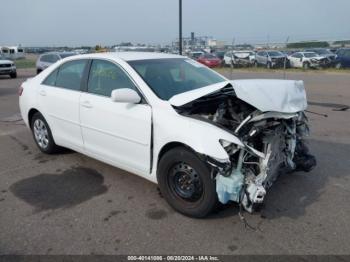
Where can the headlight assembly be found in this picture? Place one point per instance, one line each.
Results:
(229, 147)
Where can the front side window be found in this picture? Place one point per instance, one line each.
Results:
(70, 74)
(105, 77)
(169, 77)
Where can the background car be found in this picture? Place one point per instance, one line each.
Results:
(195, 54)
(343, 58)
(220, 54)
(239, 58)
(47, 59)
(325, 53)
(307, 60)
(270, 59)
(209, 60)
(7, 67)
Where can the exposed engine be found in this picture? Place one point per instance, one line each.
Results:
(273, 145)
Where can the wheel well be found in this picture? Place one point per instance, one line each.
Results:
(31, 114)
(170, 146)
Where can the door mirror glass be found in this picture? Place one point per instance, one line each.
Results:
(125, 95)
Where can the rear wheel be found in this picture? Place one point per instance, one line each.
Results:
(186, 184)
(338, 66)
(268, 65)
(42, 134)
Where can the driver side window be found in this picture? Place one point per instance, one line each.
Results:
(105, 77)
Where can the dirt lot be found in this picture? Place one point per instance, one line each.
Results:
(72, 204)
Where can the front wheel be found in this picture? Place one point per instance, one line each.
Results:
(13, 75)
(186, 184)
(306, 65)
(42, 134)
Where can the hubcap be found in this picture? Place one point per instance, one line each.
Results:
(185, 182)
(40, 133)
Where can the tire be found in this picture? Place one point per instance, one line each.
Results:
(13, 75)
(338, 66)
(256, 64)
(306, 65)
(42, 134)
(201, 198)
(38, 71)
(268, 65)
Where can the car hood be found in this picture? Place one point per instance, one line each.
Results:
(5, 62)
(286, 96)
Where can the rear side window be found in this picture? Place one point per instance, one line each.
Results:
(70, 74)
(105, 77)
(51, 79)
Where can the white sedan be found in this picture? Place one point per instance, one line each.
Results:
(202, 138)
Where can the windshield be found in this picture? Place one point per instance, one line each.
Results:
(323, 52)
(64, 55)
(275, 53)
(310, 54)
(208, 56)
(169, 77)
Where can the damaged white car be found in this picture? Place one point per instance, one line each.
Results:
(202, 138)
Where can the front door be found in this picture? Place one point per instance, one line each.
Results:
(119, 133)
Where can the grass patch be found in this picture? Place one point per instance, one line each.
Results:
(25, 63)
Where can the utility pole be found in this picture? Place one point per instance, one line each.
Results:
(180, 27)
(285, 60)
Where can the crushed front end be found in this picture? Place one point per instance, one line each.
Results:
(273, 144)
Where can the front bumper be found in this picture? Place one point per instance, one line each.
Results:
(252, 171)
(7, 70)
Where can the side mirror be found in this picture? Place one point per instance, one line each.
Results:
(125, 95)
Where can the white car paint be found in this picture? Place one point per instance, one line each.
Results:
(131, 136)
(6, 66)
(248, 55)
(298, 59)
(289, 95)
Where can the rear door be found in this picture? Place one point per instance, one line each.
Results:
(119, 133)
(59, 102)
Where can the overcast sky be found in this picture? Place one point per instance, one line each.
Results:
(107, 22)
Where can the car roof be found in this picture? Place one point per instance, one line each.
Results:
(128, 56)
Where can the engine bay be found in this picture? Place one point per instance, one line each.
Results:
(273, 142)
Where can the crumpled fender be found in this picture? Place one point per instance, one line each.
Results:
(200, 136)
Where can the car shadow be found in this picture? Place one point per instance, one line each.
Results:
(291, 194)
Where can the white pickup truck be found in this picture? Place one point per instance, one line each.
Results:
(7, 67)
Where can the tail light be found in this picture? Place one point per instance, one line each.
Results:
(20, 91)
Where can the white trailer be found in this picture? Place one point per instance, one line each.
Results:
(12, 52)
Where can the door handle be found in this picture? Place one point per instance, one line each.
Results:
(86, 104)
(42, 92)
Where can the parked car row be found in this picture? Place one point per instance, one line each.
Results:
(310, 58)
